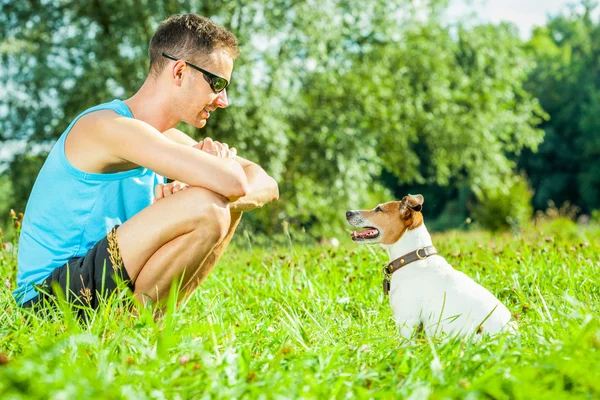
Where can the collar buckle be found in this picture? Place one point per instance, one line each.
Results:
(420, 254)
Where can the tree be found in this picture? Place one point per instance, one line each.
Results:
(329, 99)
(567, 82)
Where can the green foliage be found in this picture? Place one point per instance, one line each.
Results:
(300, 322)
(506, 206)
(446, 207)
(325, 98)
(568, 228)
(6, 195)
(22, 172)
(565, 80)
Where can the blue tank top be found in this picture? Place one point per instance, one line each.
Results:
(69, 210)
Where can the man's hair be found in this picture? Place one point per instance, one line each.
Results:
(190, 37)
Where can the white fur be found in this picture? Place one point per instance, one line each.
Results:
(443, 299)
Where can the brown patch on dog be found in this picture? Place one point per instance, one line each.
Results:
(396, 217)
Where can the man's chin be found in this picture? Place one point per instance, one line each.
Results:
(200, 123)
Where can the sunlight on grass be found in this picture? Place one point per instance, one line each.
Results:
(313, 322)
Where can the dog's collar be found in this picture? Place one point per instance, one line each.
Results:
(420, 254)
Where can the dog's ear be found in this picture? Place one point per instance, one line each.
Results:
(413, 202)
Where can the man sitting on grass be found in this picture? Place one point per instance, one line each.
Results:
(100, 210)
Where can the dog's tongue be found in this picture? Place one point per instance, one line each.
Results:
(367, 232)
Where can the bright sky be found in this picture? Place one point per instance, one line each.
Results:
(524, 13)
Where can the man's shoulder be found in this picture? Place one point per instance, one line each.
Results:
(98, 118)
(107, 125)
(90, 145)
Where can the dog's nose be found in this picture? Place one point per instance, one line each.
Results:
(348, 214)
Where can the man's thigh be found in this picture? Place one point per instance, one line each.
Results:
(167, 219)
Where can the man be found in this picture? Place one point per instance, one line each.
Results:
(100, 210)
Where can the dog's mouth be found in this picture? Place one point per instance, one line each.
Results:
(368, 234)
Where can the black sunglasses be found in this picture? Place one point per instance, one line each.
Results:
(217, 83)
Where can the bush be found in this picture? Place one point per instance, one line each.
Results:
(596, 216)
(6, 197)
(501, 208)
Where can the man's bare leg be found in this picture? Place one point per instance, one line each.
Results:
(171, 238)
(189, 285)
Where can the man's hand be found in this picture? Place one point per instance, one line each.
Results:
(207, 145)
(216, 148)
(161, 191)
(262, 189)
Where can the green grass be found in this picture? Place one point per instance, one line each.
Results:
(313, 323)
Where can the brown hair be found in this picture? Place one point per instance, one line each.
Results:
(190, 37)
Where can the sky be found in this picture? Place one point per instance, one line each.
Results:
(524, 13)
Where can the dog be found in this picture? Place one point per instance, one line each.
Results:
(425, 292)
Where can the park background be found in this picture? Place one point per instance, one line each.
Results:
(346, 103)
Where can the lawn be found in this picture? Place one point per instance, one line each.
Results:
(312, 322)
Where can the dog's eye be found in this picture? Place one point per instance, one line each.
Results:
(378, 209)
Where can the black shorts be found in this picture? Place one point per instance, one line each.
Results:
(84, 280)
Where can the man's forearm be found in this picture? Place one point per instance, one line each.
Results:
(262, 189)
(179, 137)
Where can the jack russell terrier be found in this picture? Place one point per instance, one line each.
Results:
(425, 292)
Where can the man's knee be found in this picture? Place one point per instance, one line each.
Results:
(213, 212)
(220, 217)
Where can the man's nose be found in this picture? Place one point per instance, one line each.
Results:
(221, 100)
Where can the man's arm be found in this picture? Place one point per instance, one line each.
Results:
(179, 137)
(145, 146)
(262, 189)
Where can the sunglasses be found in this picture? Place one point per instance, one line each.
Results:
(217, 83)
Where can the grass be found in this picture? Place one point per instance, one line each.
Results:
(299, 322)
